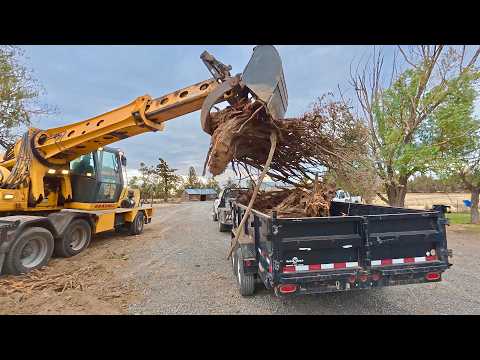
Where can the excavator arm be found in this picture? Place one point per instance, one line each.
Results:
(43, 152)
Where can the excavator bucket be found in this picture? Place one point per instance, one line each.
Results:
(262, 77)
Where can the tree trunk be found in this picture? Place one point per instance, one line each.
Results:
(474, 215)
(165, 192)
(396, 195)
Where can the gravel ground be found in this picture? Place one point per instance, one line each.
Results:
(183, 270)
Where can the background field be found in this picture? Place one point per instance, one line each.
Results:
(426, 200)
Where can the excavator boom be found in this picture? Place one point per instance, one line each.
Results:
(54, 148)
(61, 185)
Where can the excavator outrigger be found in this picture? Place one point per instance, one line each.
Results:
(60, 186)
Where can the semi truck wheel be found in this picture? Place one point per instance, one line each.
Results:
(75, 239)
(136, 227)
(32, 250)
(246, 282)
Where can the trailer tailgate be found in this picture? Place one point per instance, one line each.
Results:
(314, 244)
(405, 240)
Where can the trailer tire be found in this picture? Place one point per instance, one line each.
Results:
(137, 225)
(32, 250)
(246, 282)
(75, 239)
(234, 263)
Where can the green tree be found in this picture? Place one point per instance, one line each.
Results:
(192, 179)
(420, 115)
(462, 165)
(147, 181)
(167, 181)
(19, 95)
(213, 184)
(134, 182)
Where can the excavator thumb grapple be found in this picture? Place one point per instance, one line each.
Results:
(262, 79)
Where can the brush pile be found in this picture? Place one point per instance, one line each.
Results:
(293, 203)
(328, 137)
(38, 280)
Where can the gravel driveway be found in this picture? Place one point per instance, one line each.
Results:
(184, 271)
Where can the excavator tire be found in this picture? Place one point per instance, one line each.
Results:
(136, 227)
(32, 250)
(76, 238)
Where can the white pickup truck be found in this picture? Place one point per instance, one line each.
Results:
(343, 196)
(222, 211)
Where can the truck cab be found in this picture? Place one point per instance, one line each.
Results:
(344, 196)
(222, 207)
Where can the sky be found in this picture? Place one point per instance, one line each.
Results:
(85, 81)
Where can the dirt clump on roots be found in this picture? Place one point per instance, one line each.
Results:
(327, 137)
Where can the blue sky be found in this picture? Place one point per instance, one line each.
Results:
(84, 81)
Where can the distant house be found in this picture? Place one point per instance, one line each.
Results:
(199, 194)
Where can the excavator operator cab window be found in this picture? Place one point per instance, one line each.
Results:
(97, 177)
(110, 176)
(84, 165)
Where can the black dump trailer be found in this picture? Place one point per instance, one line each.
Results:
(358, 247)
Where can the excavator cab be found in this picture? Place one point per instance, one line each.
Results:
(98, 177)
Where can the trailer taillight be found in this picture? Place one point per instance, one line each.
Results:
(351, 279)
(287, 288)
(432, 276)
(376, 277)
(247, 263)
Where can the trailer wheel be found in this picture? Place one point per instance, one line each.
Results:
(246, 282)
(75, 239)
(32, 250)
(234, 262)
(136, 227)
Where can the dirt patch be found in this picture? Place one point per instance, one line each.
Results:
(97, 281)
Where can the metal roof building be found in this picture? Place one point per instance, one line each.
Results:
(199, 194)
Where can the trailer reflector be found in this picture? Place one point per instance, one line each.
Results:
(316, 267)
(409, 260)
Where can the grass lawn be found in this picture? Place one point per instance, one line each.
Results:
(462, 219)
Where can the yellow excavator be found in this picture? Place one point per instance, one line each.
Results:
(59, 187)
